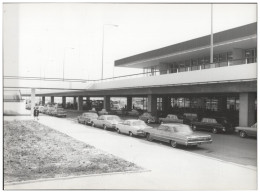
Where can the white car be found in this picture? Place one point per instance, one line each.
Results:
(106, 121)
(132, 127)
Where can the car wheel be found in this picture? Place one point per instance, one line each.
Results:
(93, 124)
(242, 134)
(214, 130)
(173, 144)
(194, 128)
(131, 134)
(118, 131)
(104, 127)
(148, 137)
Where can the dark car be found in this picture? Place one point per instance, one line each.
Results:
(148, 118)
(215, 125)
(188, 118)
(87, 118)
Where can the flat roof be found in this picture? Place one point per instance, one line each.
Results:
(223, 36)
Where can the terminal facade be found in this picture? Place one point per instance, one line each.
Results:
(180, 78)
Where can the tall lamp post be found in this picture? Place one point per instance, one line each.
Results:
(103, 39)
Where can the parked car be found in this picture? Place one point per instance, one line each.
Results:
(177, 133)
(103, 112)
(106, 121)
(170, 119)
(215, 125)
(247, 131)
(41, 108)
(132, 127)
(188, 118)
(148, 118)
(87, 118)
(133, 113)
(58, 112)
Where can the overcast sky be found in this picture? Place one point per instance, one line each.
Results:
(47, 39)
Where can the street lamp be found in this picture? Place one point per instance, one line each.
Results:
(103, 38)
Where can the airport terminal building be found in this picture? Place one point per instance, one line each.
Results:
(180, 78)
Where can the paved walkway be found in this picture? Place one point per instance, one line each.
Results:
(169, 169)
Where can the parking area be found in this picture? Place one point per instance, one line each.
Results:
(227, 147)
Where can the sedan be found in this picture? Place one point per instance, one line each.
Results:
(87, 118)
(247, 131)
(132, 127)
(148, 118)
(215, 125)
(106, 121)
(176, 133)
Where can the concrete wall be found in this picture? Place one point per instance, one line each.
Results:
(229, 73)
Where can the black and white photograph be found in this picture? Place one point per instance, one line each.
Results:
(129, 96)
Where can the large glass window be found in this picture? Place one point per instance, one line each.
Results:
(250, 55)
(159, 103)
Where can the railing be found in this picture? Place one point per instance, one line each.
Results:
(185, 69)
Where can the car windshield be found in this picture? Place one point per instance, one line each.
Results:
(183, 129)
(113, 118)
(137, 123)
(92, 115)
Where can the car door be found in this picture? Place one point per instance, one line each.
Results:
(165, 133)
(99, 121)
(124, 127)
(203, 124)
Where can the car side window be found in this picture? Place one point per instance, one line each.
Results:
(213, 121)
(127, 123)
(101, 118)
(204, 120)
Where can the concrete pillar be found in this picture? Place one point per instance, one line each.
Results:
(52, 99)
(80, 103)
(222, 103)
(166, 103)
(32, 100)
(75, 102)
(64, 102)
(43, 100)
(129, 103)
(247, 109)
(106, 103)
(152, 104)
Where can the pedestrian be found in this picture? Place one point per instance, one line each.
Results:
(36, 113)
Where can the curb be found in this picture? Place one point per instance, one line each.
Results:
(73, 177)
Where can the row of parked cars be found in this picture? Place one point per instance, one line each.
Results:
(214, 125)
(173, 133)
(53, 111)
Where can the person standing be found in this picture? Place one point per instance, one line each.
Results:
(36, 113)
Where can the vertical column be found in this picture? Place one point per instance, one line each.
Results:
(64, 102)
(43, 100)
(129, 103)
(222, 104)
(52, 99)
(152, 104)
(107, 103)
(32, 100)
(166, 103)
(246, 109)
(75, 103)
(80, 103)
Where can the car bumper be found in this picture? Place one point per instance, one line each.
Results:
(197, 142)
